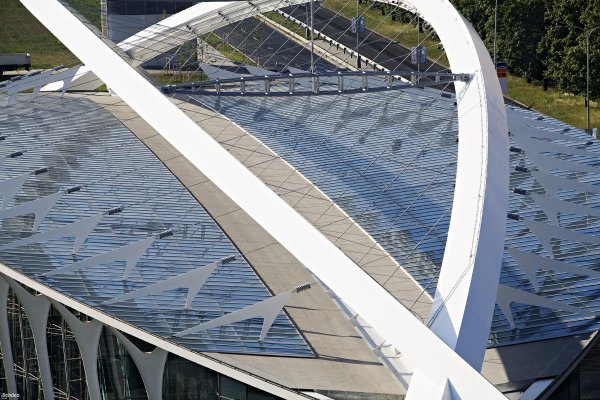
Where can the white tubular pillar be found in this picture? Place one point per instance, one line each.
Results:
(36, 308)
(87, 336)
(151, 365)
(466, 291)
(357, 289)
(5, 343)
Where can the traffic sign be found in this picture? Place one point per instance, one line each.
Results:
(501, 69)
(361, 25)
(418, 55)
(502, 72)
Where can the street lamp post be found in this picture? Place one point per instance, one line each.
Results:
(587, 69)
(587, 77)
(312, 37)
(356, 25)
(495, 30)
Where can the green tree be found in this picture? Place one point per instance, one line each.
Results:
(521, 27)
(479, 13)
(564, 45)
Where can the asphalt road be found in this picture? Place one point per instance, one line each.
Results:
(273, 50)
(391, 55)
(372, 45)
(269, 48)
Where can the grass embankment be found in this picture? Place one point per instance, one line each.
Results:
(292, 26)
(562, 106)
(21, 32)
(180, 77)
(555, 103)
(226, 49)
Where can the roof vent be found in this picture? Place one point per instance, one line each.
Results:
(227, 260)
(165, 234)
(521, 169)
(115, 210)
(73, 189)
(302, 288)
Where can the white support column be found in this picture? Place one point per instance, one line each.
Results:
(36, 308)
(202, 359)
(87, 336)
(465, 297)
(151, 366)
(425, 389)
(5, 343)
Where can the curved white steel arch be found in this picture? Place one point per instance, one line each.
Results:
(469, 277)
(176, 30)
(466, 291)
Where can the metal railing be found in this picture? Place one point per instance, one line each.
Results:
(320, 83)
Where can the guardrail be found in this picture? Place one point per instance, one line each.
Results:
(320, 83)
(331, 41)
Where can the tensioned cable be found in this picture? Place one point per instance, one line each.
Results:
(104, 150)
(349, 150)
(372, 32)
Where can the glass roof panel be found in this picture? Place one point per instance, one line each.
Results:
(81, 144)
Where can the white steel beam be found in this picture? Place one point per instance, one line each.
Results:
(196, 20)
(5, 342)
(150, 365)
(199, 358)
(267, 309)
(466, 291)
(36, 308)
(87, 336)
(392, 320)
(178, 29)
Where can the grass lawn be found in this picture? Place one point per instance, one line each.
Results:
(225, 48)
(21, 32)
(183, 77)
(563, 106)
(292, 26)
